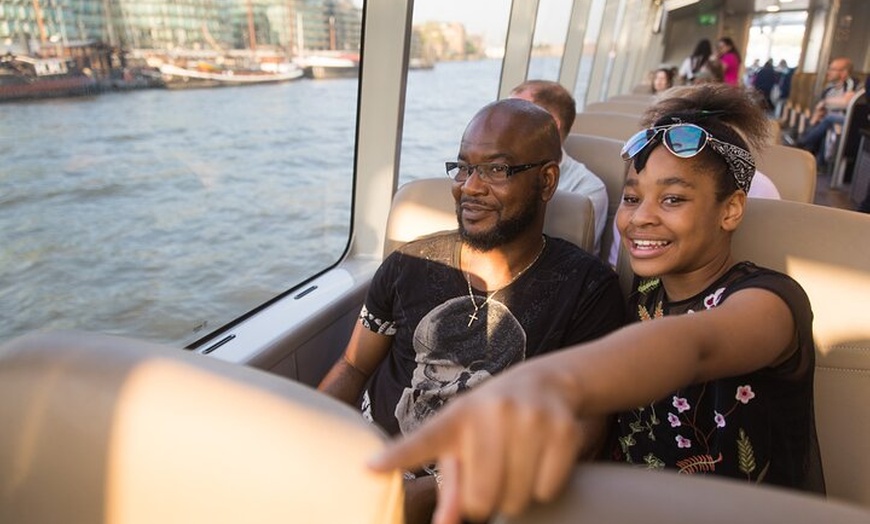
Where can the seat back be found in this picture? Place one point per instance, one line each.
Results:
(792, 171)
(857, 116)
(101, 429)
(644, 98)
(618, 106)
(618, 494)
(601, 156)
(826, 251)
(425, 206)
(619, 126)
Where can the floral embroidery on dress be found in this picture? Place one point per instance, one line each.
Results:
(745, 394)
(712, 300)
(712, 427)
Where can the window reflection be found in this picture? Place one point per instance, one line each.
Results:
(551, 29)
(466, 42)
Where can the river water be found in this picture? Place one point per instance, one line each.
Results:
(163, 214)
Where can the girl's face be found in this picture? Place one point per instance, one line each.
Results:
(660, 81)
(670, 222)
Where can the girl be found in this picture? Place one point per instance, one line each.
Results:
(662, 80)
(716, 378)
(730, 59)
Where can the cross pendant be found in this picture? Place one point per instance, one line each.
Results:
(472, 317)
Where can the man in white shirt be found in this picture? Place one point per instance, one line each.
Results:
(574, 176)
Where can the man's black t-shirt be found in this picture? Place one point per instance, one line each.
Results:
(421, 298)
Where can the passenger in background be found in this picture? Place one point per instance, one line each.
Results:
(764, 81)
(729, 57)
(662, 80)
(830, 110)
(721, 362)
(449, 311)
(696, 63)
(573, 175)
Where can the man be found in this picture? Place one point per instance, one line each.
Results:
(574, 176)
(445, 312)
(831, 108)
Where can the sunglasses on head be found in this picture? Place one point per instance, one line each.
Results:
(682, 140)
(686, 141)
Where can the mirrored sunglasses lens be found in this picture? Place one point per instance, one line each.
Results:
(635, 144)
(685, 141)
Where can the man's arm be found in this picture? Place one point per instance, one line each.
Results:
(839, 102)
(347, 378)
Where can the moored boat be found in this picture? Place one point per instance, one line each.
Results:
(330, 65)
(210, 76)
(23, 77)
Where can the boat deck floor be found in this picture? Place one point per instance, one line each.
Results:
(832, 197)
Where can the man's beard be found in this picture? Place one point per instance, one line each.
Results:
(504, 231)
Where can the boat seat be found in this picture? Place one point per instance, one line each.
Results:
(618, 106)
(601, 156)
(792, 171)
(845, 138)
(620, 494)
(619, 126)
(100, 429)
(823, 249)
(425, 206)
(644, 98)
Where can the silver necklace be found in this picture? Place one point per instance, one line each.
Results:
(477, 307)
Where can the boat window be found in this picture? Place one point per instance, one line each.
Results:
(590, 46)
(461, 45)
(208, 169)
(551, 29)
(776, 36)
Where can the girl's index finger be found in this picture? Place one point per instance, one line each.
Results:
(412, 451)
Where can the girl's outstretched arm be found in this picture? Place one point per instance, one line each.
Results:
(515, 439)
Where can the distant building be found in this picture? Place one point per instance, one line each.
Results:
(181, 26)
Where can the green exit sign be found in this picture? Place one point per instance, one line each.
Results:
(707, 19)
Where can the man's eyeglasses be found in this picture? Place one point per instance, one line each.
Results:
(687, 140)
(491, 173)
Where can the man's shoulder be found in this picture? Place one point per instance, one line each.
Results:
(570, 259)
(434, 246)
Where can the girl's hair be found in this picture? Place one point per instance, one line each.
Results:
(701, 55)
(731, 114)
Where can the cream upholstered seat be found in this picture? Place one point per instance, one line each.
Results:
(823, 249)
(638, 98)
(601, 156)
(618, 106)
(620, 494)
(792, 171)
(425, 206)
(619, 126)
(99, 429)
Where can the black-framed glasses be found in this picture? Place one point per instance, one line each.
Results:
(687, 140)
(490, 172)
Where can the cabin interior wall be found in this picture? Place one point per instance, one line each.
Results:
(643, 47)
(682, 34)
(851, 36)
